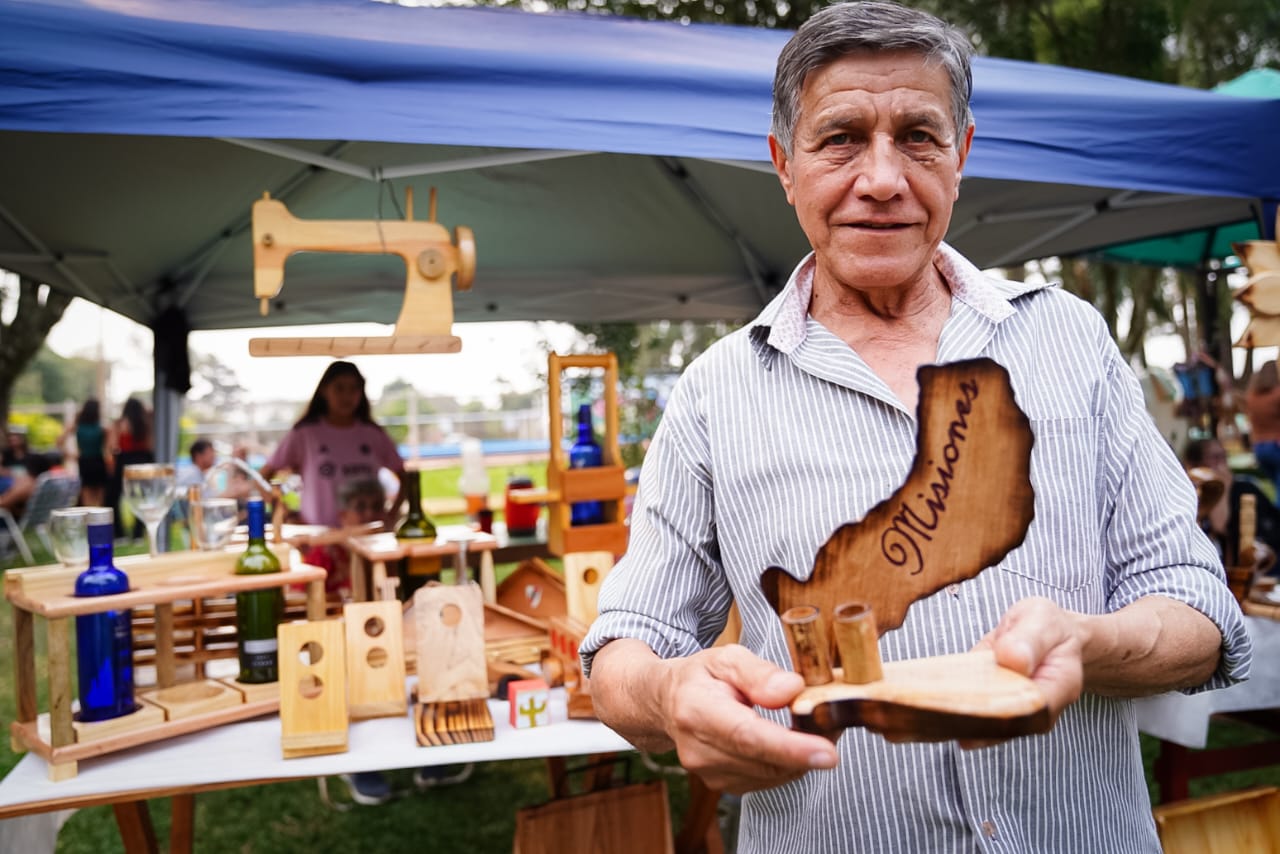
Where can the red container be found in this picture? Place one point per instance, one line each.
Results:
(522, 519)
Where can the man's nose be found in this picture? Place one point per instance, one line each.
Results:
(880, 172)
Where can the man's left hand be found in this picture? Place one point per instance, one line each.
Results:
(1042, 641)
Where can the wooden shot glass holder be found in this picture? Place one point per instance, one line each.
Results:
(173, 708)
(965, 696)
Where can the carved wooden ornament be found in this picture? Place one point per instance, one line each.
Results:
(1261, 292)
(966, 503)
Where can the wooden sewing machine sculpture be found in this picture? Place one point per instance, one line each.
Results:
(1262, 292)
(967, 503)
(425, 324)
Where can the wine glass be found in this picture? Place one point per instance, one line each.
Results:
(213, 520)
(150, 489)
(69, 535)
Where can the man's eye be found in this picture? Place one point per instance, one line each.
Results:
(919, 137)
(839, 139)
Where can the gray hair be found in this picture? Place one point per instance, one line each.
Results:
(872, 26)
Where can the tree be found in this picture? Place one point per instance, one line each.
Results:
(216, 384)
(39, 307)
(756, 13)
(1198, 43)
(646, 353)
(50, 378)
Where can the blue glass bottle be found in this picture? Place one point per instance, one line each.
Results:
(104, 641)
(585, 453)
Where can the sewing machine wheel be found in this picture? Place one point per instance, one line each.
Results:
(465, 240)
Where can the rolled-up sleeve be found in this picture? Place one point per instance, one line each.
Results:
(1153, 545)
(669, 589)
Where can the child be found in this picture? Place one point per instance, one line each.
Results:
(360, 502)
(336, 440)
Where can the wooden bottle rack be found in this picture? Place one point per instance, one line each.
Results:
(566, 486)
(174, 709)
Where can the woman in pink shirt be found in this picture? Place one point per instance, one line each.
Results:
(336, 441)
(332, 446)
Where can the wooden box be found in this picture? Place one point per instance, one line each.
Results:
(1244, 822)
(605, 483)
(610, 821)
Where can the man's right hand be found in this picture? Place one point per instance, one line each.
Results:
(703, 705)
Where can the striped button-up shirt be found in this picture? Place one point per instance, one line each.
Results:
(780, 433)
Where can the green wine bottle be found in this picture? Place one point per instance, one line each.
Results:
(258, 612)
(415, 526)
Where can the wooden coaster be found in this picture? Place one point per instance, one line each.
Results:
(189, 699)
(256, 692)
(453, 722)
(144, 717)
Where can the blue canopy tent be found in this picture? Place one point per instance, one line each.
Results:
(612, 169)
(1211, 246)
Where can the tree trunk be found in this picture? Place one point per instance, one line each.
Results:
(39, 308)
(1143, 290)
(1110, 298)
(1189, 320)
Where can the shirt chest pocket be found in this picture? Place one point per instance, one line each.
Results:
(1063, 548)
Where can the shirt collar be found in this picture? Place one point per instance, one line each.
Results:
(783, 322)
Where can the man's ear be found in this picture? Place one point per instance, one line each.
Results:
(782, 166)
(965, 145)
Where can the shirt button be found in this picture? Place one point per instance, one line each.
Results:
(954, 589)
(989, 829)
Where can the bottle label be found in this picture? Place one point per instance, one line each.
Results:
(255, 647)
(259, 655)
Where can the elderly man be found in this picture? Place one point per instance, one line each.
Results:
(805, 419)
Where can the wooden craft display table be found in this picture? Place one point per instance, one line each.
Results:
(371, 553)
(248, 753)
(48, 592)
(1181, 721)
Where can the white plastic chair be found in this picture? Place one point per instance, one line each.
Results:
(52, 490)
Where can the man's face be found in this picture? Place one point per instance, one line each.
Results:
(875, 168)
(204, 459)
